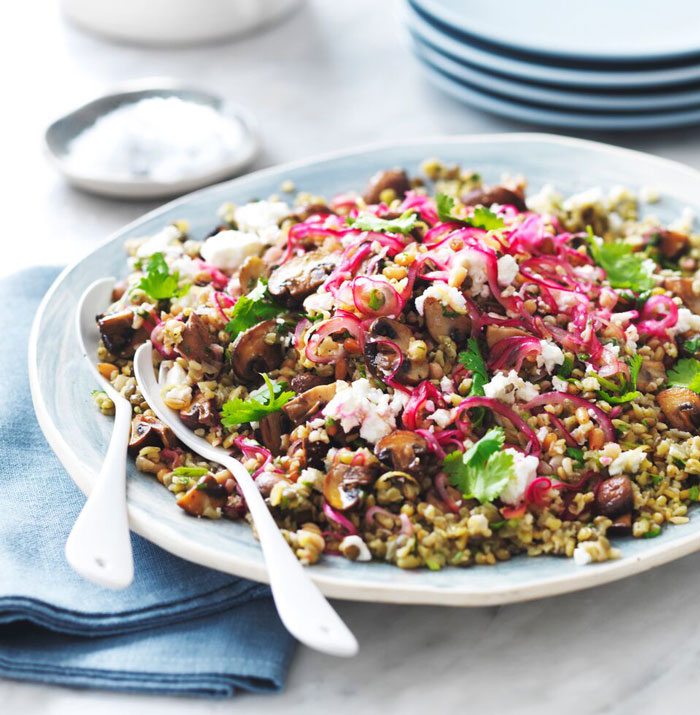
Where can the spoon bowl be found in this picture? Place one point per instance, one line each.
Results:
(99, 545)
(303, 609)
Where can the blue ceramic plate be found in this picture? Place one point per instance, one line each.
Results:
(545, 70)
(557, 97)
(595, 30)
(536, 113)
(61, 382)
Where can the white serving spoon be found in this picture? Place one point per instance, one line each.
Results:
(99, 545)
(303, 609)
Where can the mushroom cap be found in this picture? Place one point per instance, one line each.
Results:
(251, 354)
(499, 194)
(381, 360)
(614, 496)
(308, 403)
(496, 333)
(302, 275)
(150, 432)
(404, 450)
(440, 324)
(683, 287)
(342, 485)
(681, 407)
(395, 179)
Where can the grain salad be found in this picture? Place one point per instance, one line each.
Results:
(436, 372)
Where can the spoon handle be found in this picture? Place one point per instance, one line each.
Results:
(99, 545)
(303, 609)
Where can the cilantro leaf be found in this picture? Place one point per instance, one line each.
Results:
(623, 268)
(471, 359)
(484, 470)
(692, 345)
(686, 373)
(626, 390)
(369, 222)
(252, 309)
(566, 368)
(159, 283)
(481, 217)
(576, 453)
(190, 471)
(237, 411)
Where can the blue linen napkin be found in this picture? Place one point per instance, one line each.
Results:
(179, 628)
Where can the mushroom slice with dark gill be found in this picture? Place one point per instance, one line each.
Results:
(496, 333)
(271, 431)
(118, 334)
(404, 450)
(672, 243)
(499, 194)
(652, 374)
(253, 268)
(681, 408)
(308, 403)
(198, 344)
(342, 485)
(200, 413)
(205, 498)
(150, 432)
(382, 359)
(614, 496)
(395, 180)
(300, 276)
(252, 354)
(441, 323)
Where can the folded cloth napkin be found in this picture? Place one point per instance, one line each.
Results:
(178, 628)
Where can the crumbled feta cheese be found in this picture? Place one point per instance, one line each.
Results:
(628, 461)
(687, 321)
(524, 472)
(582, 556)
(228, 249)
(162, 242)
(448, 295)
(475, 265)
(559, 384)
(262, 217)
(685, 223)
(590, 384)
(354, 547)
(478, 525)
(590, 197)
(551, 355)
(312, 478)
(508, 387)
(507, 270)
(546, 201)
(446, 385)
(442, 418)
(319, 302)
(358, 404)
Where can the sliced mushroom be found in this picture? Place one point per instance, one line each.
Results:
(150, 432)
(615, 496)
(271, 432)
(440, 323)
(118, 333)
(307, 210)
(621, 525)
(305, 381)
(681, 407)
(652, 374)
(252, 270)
(672, 243)
(252, 354)
(396, 486)
(266, 480)
(683, 287)
(496, 333)
(198, 344)
(404, 450)
(308, 403)
(342, 485)
(119, 290)
(395, 180)
(302, 275)
(499, 194)
(382, 359)
(205, 498)
(199, 414)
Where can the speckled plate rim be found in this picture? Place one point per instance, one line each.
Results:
(421, 586)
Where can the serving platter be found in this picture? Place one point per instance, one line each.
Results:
(61, 381)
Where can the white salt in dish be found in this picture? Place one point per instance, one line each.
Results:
(152, 141)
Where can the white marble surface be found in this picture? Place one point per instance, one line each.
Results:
(334, 75)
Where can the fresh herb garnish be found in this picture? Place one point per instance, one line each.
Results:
(623, 268)
(686, 373)
(237, 411)
(252, 309)
(190, 471)
(692, 345)
(369, 222)
(481, 217)
(652, 533)
(376, 299)
(159, 283)
(694, 493)
(471, 359)
(567, 367)
(576, 453)
(483, 471)
(625, 390)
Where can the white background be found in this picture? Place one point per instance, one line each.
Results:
(334, 75)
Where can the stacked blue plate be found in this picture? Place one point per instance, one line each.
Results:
(600, 64)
